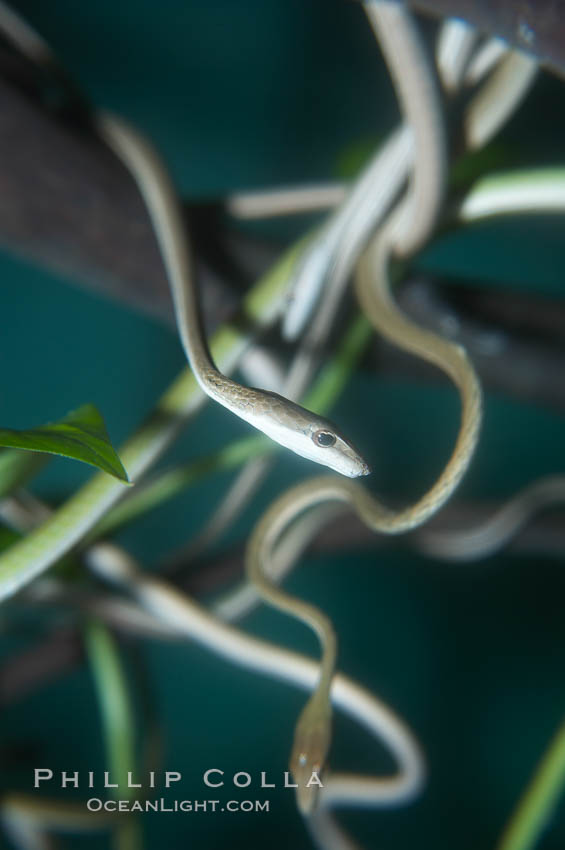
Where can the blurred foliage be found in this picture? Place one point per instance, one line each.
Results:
(80, 435)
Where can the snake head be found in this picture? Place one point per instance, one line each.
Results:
(307, 434)
(312, 740)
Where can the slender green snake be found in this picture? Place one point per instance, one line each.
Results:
(284, 421)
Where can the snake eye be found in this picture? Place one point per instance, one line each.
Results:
(325, 439)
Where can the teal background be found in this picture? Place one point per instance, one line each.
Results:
(258, 93)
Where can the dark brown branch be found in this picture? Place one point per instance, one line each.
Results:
(69, 205)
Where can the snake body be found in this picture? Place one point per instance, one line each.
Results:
(313, 730)
(409, 224)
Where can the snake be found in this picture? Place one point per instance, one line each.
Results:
(287, 423)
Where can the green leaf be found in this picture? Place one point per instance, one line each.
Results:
(81, 435)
